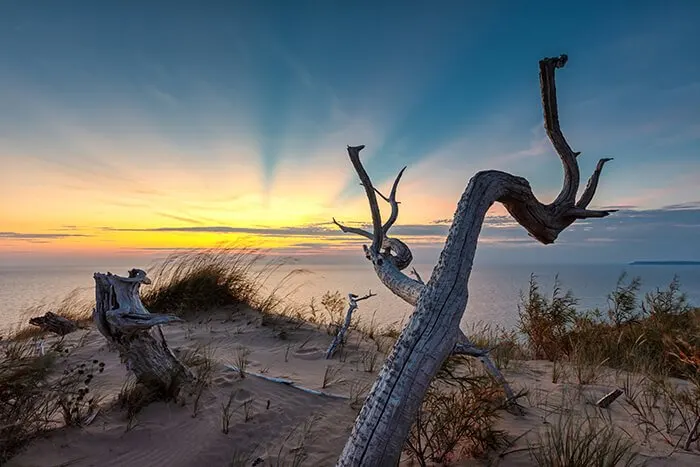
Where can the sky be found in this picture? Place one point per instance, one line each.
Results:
(139, 127)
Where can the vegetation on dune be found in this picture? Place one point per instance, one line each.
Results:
(630, 334)
(35, 398)
(190, 282)
(654, 336)
(457, 417)
(582, 442)
(74, 306)
(646, 342)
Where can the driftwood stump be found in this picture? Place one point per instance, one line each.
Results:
(54, 323)
(124, 321)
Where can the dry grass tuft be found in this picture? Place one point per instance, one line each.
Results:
(582, 442)
(34, 400)
(456, 419)
(76, 306)
(332, 375)
(25, 407)
(195, 281)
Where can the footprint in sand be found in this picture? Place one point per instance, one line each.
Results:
(225, 380)
(242, 396)
(309, 353)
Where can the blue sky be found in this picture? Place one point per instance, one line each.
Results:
(212, 117)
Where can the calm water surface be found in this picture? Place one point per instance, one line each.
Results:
(494, 290)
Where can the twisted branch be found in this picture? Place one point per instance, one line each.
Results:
(432, 333)
(389, 249)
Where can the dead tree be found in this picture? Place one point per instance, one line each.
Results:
(432, 333)
(124, 321)
(51, 322)
(340, 337)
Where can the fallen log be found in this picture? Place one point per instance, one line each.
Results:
(51, 322)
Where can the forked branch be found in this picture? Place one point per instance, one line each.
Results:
(388, 249)
(354, 298)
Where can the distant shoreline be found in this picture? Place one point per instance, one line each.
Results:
(665, 263)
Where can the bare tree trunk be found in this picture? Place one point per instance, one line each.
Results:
(432, 333)
(396, 257)
(340, 337)
(124, 321)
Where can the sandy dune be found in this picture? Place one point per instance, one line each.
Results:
(286, 425)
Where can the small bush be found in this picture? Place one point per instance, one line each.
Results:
(622, 302)
(546, 322)
(73, 395)
(33, 400)
(26, 408)
(667, 302)
(335, 306)
(504, 345)
(456, 418)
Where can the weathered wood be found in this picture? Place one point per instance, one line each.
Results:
(388, 270)
(51, 322)
(340, 336)
(287, 382)
(432, 332)
(124, 321)
(605, 401)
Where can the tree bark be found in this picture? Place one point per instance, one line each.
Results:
(432, 333)
(124, 321)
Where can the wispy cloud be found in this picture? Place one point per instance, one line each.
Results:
(189, 220)
(623, 226)
(272, 231)
(38, 236)
(689, 205)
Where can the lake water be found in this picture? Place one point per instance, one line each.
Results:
(494, 289)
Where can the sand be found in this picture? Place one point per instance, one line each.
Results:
(277, 424)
